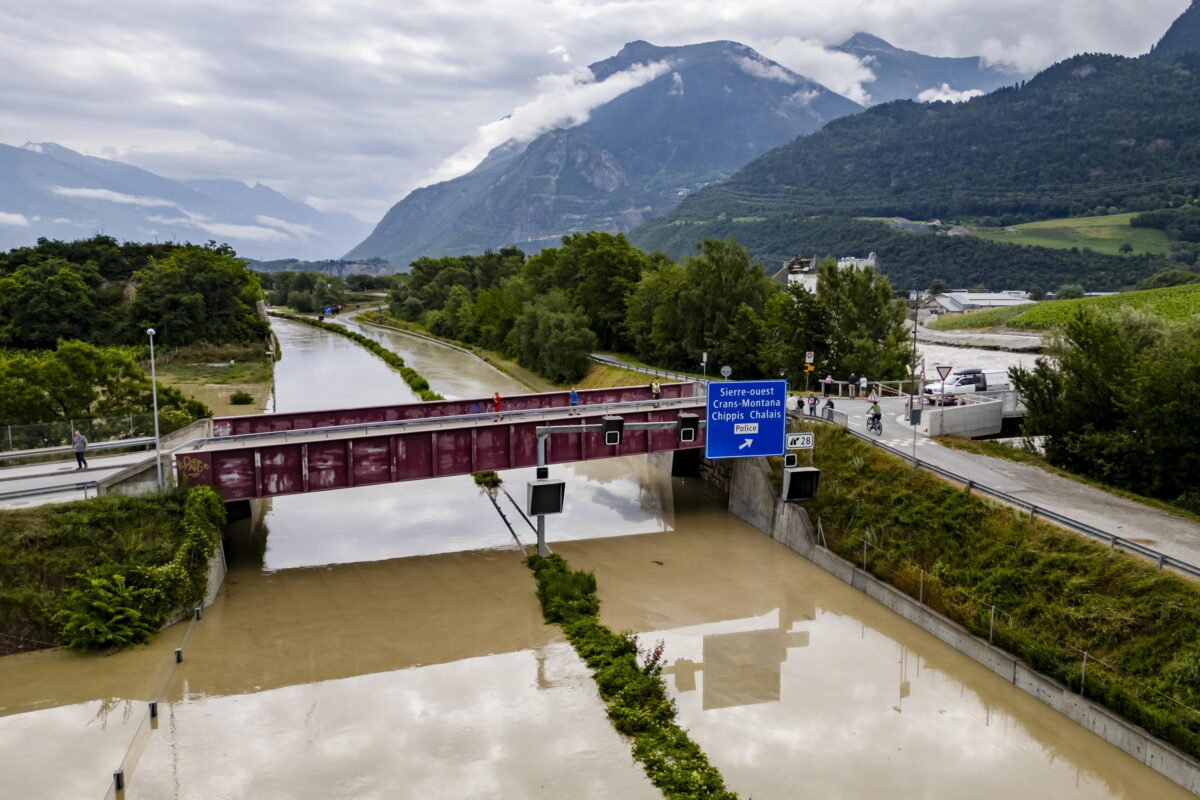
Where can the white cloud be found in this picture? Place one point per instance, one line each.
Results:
(565, 100)
(294, 228)
(947, 95)
(762, 69)
(561, 52)
(111, 196)
(251, 232)
(841, 72)
(676, 89)
(19, 220)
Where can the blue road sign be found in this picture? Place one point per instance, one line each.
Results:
(746, 418)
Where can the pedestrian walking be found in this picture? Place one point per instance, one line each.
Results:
(496, 405)
(827, 384)
(862, 386)
(80, 444)
(574, 401)
(656, 392)
(852, 382)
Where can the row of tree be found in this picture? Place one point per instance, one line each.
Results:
(1117, 402)
(597, 291)
(102, 292)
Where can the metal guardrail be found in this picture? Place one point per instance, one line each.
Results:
(612, 361)
(1114, 541)
(112, 444)
(67, 487)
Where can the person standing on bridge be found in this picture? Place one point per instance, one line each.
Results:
(574, 401)
(496, 405)
(827, 384)
(80, 444)
(656, 392)
(852, 384)
(862, 386)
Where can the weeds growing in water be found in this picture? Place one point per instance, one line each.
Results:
(631, 687)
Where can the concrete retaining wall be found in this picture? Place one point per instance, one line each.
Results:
(755, 500)
(970, 419)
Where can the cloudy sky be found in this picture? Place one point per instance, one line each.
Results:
(349, 104)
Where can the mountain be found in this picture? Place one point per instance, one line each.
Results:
(712, 108)
(1182, 37)
(47, 190)
(905, 75)
(1093, 131)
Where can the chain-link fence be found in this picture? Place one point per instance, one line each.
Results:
(56, 434)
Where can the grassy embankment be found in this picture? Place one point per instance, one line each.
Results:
(414, 380)
(632, 688)
(1103, 234)
(214, 374)
(103, 572)
(1056, 595)
(1173, 303)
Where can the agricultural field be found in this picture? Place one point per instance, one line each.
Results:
(1103, 234)
(1173, 303)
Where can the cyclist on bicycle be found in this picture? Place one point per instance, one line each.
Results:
(874, 415)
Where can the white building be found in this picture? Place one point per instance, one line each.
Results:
(959, 301)
(858, 263)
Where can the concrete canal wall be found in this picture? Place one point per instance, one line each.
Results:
(754, 499)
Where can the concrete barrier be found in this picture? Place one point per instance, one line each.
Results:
(967, 418)
(753, 499)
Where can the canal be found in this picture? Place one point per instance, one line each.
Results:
(385, 642)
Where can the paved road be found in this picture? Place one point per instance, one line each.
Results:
(1170, 534)
(49, 474)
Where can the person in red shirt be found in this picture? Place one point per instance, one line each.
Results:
(496, 404)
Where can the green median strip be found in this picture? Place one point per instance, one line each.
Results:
(417, 383)
(636, 696)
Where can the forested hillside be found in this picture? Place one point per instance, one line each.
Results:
(910, 260)
(1093, 131)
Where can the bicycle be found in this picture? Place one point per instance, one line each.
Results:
(875, 425)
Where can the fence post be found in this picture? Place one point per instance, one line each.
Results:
(991, 624)
(921, 590)
(10, 447)
(1083, 674)
(864, 554)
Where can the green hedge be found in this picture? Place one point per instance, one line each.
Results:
(636, 696)
(1056, 594)
(411, 377)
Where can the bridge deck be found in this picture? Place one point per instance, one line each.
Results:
(281, 462)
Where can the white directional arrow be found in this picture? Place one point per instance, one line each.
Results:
(745, 444)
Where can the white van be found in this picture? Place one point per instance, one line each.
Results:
(968, 379)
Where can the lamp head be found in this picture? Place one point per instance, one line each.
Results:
(150, 331)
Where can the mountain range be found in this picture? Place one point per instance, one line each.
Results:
(1092, 134)
(47, 190)
(908, 75)
(712, 108)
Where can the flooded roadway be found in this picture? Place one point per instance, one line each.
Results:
(386, 642)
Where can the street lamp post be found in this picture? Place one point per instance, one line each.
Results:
(154, 395)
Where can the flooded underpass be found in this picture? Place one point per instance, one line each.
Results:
(386, 641)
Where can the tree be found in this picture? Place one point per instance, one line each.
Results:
(1125, 247)
(865, 331)
(45, 301)
(1069, 291)
(937, 286)
(1037, 293)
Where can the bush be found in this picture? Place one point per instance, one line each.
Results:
(240, 398)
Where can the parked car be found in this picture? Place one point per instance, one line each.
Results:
(966, 380)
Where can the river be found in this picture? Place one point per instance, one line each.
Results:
(386, 642)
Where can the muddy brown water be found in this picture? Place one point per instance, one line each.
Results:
(386, 642)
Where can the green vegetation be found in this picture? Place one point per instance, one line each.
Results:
(1056, 594)
(910, 260)
(104, 572)
(551, 310)
(104, 293)
(240, 398)
(1104, 234)
(634, 691)
(80, 381)
(414, 380)
(1117, 400)
(1173, 303)
(487, 480)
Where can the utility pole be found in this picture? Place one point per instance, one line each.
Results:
(154, 394)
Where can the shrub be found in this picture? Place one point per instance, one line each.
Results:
(240, 398)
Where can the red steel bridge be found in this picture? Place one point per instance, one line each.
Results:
(269, 455)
